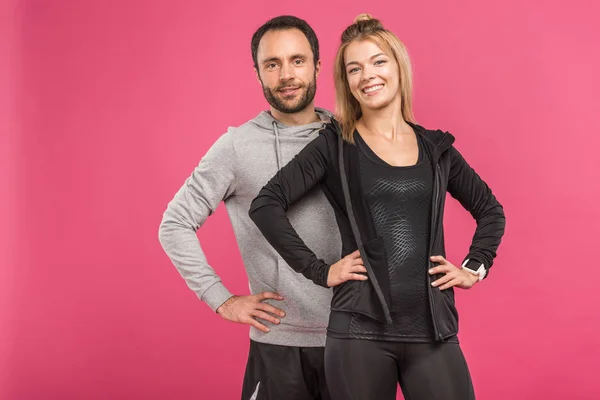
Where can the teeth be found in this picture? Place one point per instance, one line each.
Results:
(372, 89)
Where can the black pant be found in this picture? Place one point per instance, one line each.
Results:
(370, 370)
(284, 373)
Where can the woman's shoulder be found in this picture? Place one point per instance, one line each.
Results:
(326, 142)
(330, 130)
(435, 136)
(329, 135)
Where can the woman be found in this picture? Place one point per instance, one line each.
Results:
(393, 318)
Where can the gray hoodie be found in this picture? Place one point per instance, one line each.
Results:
(234, 170)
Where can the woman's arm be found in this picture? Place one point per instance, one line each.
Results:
(476, 197)
(268, 211)
(290, 184)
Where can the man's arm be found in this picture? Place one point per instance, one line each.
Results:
(212, 181)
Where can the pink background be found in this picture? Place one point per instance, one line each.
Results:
(106, 107)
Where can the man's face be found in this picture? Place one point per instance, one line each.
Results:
(286, 70)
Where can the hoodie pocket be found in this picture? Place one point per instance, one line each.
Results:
(344, 296)
(447, 315)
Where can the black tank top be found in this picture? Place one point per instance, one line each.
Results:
(400, 202)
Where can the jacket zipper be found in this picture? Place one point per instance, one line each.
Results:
(431, 240)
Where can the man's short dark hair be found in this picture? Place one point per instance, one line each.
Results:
(284, 22)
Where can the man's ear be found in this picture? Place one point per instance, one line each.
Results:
(258, 77)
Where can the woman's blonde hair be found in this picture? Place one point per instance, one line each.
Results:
(347, 107)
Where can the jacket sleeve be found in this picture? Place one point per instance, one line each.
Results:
(476, 197)
(211, 182)
(268, 209)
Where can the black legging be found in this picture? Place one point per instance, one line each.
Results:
(370, 370)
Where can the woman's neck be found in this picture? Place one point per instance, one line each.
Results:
(387, 122)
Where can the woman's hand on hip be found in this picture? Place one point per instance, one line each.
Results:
(453, 276)
(349, 268)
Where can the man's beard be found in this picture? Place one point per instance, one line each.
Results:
(307, 95)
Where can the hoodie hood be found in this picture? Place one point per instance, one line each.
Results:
(439, 141)
(267, 122)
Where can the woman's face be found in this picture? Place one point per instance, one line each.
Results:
(372, 75)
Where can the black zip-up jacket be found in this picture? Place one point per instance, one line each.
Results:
(322, 162)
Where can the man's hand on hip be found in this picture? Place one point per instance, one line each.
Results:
(246, 310)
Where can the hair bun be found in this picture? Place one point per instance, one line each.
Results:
(364, 24)
(362, 17)
(366, 20)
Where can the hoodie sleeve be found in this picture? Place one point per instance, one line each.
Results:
(268, 209)
(475, 196)
(211, 182)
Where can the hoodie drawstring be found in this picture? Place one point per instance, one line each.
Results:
(277, 145)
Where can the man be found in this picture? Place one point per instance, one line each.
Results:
(288, 314)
